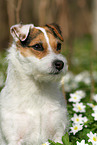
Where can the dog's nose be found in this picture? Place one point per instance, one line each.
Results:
(58, 64)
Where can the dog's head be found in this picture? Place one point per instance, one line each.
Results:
(38, 50)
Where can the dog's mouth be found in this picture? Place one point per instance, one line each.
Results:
(55, 73)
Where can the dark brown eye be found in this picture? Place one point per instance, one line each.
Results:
(37, 47)
(58, 46)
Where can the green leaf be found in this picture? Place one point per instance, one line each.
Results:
(65, 139)
(53, 143)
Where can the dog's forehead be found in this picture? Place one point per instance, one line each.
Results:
(48, 37)
(45, 34)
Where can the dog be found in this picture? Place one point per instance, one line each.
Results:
(32, 107)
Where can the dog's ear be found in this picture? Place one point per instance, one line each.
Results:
(20, 32)
(56, 30)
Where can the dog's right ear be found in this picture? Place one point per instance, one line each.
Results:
(56, 30)
(20, 32)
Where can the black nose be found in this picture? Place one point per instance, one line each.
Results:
(58, 64)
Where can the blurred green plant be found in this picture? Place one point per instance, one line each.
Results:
(3, 69)
(81, 54)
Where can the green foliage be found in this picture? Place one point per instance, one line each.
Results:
(81, 54)
(3, 68)
(53, 143)
(65, 139)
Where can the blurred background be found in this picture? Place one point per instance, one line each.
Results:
(78, 22)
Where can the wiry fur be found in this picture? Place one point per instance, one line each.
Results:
(32, 108)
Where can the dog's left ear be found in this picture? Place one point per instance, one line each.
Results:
(20, 32)
(56, 30)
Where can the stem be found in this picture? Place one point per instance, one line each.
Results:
(91, 76)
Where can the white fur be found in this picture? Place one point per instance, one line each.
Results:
(33, 109)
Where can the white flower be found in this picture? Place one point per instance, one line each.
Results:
(83, 77)
(47, 143)
(74, 85)
(77, 119)
(80, 93)
(68, 77)
(91, 105)
(86, 126)
(85, 119)
(74, 98)
(70, 86)
(92, 138)
(95, 97)
(69, 83)
(76, 128)
(78, 78)
(77, 96)
(87, 80)
(95, 115)
(95, 112)
(81, 143)
(79, 107)
(95, 108)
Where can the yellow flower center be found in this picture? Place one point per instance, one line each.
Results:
(75, 128)
(94, 138)
(79, 108)
(93, 105)
(77, 119)
(75, 98)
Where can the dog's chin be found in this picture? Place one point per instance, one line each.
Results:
(49, 77)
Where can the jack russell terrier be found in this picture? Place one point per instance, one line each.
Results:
(32, 107)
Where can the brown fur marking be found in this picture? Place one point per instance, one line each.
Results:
(55, 30)
(37, 37)
(52, 40)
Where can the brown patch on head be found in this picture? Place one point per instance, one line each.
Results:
(36, 45)
(54, 42)
(28, 47)
(56, 30)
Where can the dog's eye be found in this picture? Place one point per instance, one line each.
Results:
(58, 46)
(37, 47)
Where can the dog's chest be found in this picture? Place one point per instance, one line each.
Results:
(42, 117)
(42, 121)
(35, 114)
